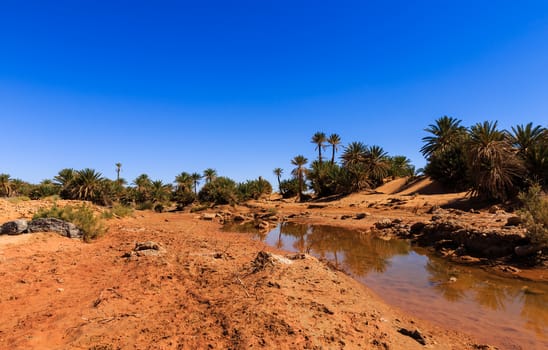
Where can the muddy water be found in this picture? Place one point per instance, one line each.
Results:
(508, 313)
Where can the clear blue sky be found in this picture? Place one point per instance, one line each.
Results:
(241, 86)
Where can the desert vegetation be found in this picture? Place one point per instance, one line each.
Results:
(492, 164)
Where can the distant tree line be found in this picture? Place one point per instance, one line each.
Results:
(493, 164)
(143, 193)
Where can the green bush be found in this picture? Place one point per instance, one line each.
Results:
(534, 214)
(147, 205)
(118, 211)
(222, 190)
(254, 189)
(82, 216)
(289, 188)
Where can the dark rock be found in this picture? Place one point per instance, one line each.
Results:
(417, 227)
(64, 228)
(316, 206)
(15, 227)
(360, 216)
(238, 218)
(526, 250)
(513, 221)
(416, 334)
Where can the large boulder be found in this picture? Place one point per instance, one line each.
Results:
(15, 227)
(64, 228)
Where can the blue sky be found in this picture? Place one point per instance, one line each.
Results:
(241, 86)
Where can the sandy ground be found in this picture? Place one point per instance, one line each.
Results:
(205, 289)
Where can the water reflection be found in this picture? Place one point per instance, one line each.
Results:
(424, 284)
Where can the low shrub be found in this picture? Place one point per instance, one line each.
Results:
(117, 211)
(82, 216)
(147, 205)
(534, 215)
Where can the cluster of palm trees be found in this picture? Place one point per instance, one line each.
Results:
(143, 193)
(361, 167)
(494, 164)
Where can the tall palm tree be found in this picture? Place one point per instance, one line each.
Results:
(493, 163)
(334, 140)
(210, 175)
(278, 172)
(87, 184)
(195, 180)
(5, 185)
(299, 161)
(319, 139)
(118, 169)
(446, 133)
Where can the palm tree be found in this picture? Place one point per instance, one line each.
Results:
(5, 185)
(334, 140)
(195, 180)
(354, 160)
(19, 187)
(64, 177)
(299, 161)
(526, 137)
(319, 139)
(87, 184)
(210, 175)
(159, 191)
(118, 169)
(401, 166)
(532, 145)
(143, 184)
(184, 181)
(377, 164)
(447, 132)
(492, 162)
(278, 172)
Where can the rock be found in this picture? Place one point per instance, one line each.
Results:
(316, 206)
(513, 221)
(64, 228)
(15, 227)
(262, 225)
(384, 223)
(525, 250)
(238, 218)
(417, 227)
(416, 334)
(148, 248)
(494, 209)
(346, 216)
(360, 216)
(208, 216)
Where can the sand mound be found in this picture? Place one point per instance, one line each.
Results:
(423, 185)
(393, 186)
